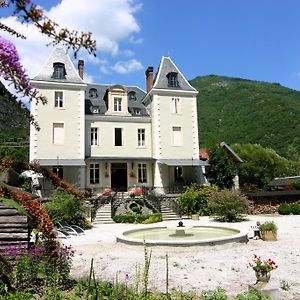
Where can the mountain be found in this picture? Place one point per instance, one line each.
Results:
(14, 126)
(237, 110)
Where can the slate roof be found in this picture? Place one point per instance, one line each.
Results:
(161, 80)
(100, 104)
(59, 55)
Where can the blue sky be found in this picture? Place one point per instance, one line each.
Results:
(253, 39)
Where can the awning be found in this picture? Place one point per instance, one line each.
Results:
(183, 162)
(119, 159)
(61, 162)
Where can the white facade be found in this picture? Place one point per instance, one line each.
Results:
(98, 136)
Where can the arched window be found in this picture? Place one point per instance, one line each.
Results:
(59, 71)
(93, 93)
(132, 95)
(173, 79)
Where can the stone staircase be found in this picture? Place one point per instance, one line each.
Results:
(103, 215)
(168, 214)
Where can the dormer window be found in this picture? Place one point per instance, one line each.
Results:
(59, 71)
(96, 109)
(173, 79)
(93, 93)
(132, 95)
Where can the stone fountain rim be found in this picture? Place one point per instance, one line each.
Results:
(241, 236)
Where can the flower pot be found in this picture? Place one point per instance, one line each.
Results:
(195, 217)
(269, 235)
(262, 277)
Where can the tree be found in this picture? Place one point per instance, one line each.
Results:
(11, 68)
(222, 169)
(261, 165)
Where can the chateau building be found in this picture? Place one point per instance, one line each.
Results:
(97, 136)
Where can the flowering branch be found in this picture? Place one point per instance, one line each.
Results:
(28, 12)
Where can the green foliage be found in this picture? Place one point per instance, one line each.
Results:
(268, 226)
(138, 218)
(252, 295)
(222, 169)
(228, 205)
(195, 200)
(217, 294)
(260, 165)
(284, 209)
(295, 207)
(17, 296)
(63, 206)
(244, 111)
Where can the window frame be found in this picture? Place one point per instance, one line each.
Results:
(117, 104)
(59, 71)
(94, 136)
(142, 173)
(180, 139)
(54, 140)
(121, 137)
(58, 102)
(175, 106)
(141, 137)
(94, 174)
(173, 79)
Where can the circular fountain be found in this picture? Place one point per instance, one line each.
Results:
(182, 235)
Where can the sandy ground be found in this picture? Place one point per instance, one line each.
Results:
(193, 268)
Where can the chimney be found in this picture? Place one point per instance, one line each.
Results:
(81, 68)
(149, 78)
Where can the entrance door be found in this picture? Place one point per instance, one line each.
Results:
(119, 176)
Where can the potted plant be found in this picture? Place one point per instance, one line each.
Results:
(268, 231)
(262, 268)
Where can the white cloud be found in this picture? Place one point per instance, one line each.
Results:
(124, 67)
(110, 21)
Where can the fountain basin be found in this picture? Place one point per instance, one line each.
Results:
(194, 236)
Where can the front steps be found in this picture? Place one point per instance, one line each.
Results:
(168, 214)
(103, 215)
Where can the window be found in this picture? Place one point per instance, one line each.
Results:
(118, 136)
(177, 136)
(142, 172)
(59, 71)
(132, 96)
(93, 93)
(94, 173)
(94, 136)
(175, 106)
(58, 133)
(136, 111)
(141, 137)
(59, 101)
(178, 174)
(117, 104)
(173, 79)
(59, 171)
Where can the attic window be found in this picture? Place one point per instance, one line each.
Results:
(136, 111)
(59, 71)
(96, 109)
(93, 93)
(173, 79)
(132, 95)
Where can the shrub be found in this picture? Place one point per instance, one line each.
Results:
(138, 218)
(284, 209)
(217, 294)
(295, 207)
(228, 205)
(268, 226)
(195, 200)
(252, 295)
(63, 206)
